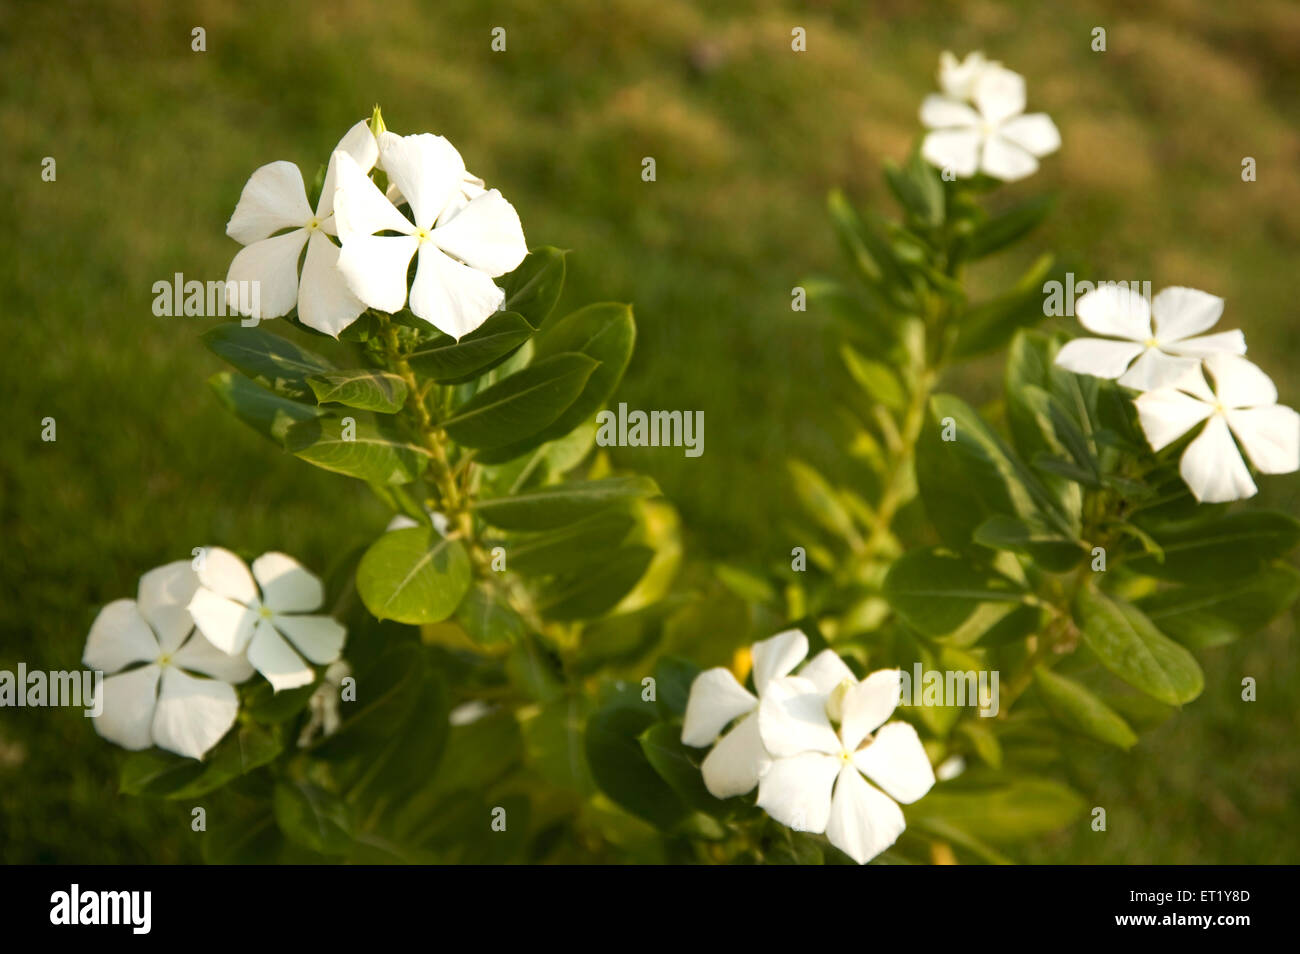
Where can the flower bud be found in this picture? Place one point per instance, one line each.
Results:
(835, 701)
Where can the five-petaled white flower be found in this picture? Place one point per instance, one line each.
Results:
(184, 714)
(957, 78)
(462, 242)
(811, 757)
(717, 700)
(275, 199)
(1165, 335)
(995, 137)
(1243, 402)
(235, 617)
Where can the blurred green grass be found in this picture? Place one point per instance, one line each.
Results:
(153, 143)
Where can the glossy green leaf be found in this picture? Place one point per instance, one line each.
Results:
(360, 450)
(558, 504)
(569, 547)
(267, 359)
(1071, 704)
(312, 817)
(534, 287)
(413, 576)
(450, 361)
(1200, 616)
(1234, 545)
(1006, 228)
(936, 591)
(590, 593)
(521, 405)
(362, 388)
(269, 414)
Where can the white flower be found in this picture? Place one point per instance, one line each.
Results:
(463, 243)
(995, 138)
(274, 199)
(810, 758)
(957, 78)
(717, 699)
(1243, 403)
(229, 610)
(1165, 349)
(324, 704)
(186, 715)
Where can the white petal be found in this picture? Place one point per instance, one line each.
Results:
(192, 714)
(1115, 310)
(200, 656)
(273, 264)
(1213, 468)
(1155, 369)
(954, 149)
(797, 791)
(1271, 436)
(226, 575)
(1183, 312)
(1233, 342)
(776, 656)
(129, 701)
(485, 235)
(375, 268)
(324, 300)
(940, 112)
(426, 168)
(1003, 159)
(319, 638)
(792, 719)
(1168, 414)
(227, 624)
(1000, 94)
(862, 822)
(287, 586)
(273, 199)
(359, 143)
(118, 637)
(869, 704)
(1239, 383)
(896, 761)
(276, 660)
(163, 595)
(716, 699)
(1100, 357)
(826, 670)
(359, 207)
(1035, 133)
(737, 761)
(452, 297)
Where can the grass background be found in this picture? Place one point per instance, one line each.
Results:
(154, 141)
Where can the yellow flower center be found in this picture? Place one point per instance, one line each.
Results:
(264, 612)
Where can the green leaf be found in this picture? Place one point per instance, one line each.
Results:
(553, 736)
(918, 188)
(1007, 227)
(488, 618)
(1233, 546)
(1203, 616)
(312, 817)
(990, 325)
(820, 501)
(868, 251)
(269, 360)
(362, 388)
(673, 678)
(413, 576)
(360, 450)
(936, 591)
(162, 774)
(1071, 704)
(965, 481)
(534, 287)
(452, 362)
(876, 378)
(268, 414)
(559, 504)
(604, 332)
(1127, 644)
(569, 547)
(677, 765)
(1050, 550)
(1019, 810)
(521, 405)
(592, 593)
(619, 765)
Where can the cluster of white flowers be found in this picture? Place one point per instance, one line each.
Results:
(174, 654)
(1187, 377)
(979, 123)
(465, 236)
(807, 740)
